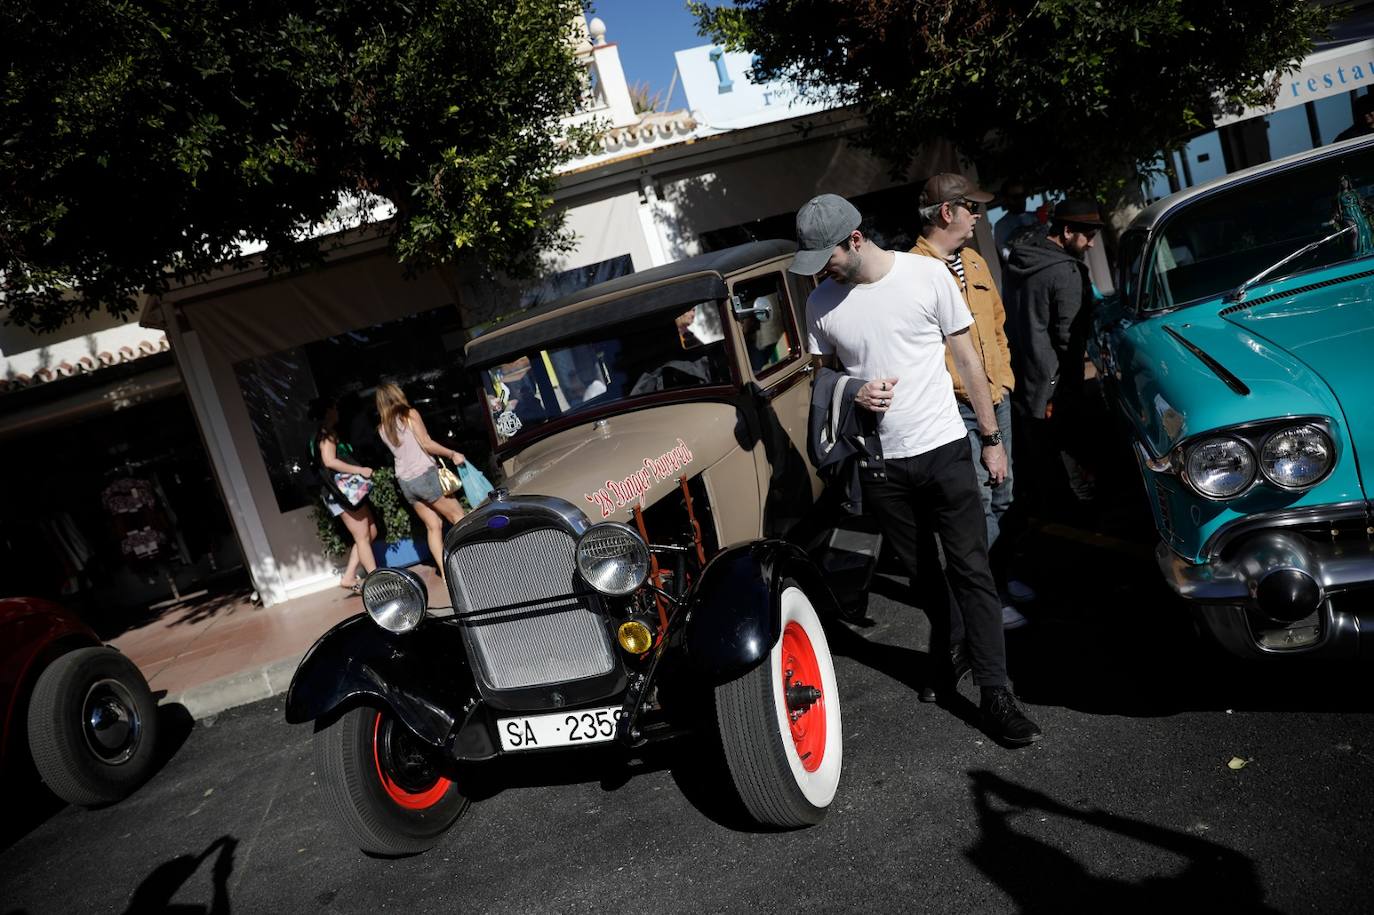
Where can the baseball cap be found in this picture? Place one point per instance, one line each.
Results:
(1078, 210)
(822, 223)
(948, 186)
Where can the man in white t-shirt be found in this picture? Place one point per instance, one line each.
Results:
(886, 317)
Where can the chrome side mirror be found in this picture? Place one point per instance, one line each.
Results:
(742, 311)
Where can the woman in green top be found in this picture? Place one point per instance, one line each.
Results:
(336, 458)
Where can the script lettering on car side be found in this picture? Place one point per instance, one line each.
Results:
(620, 493)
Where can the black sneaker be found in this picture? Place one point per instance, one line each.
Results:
(1004, 721)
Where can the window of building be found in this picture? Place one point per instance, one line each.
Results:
(1202, 158)
(1289, 132)
(1333, 116)
(421, 353)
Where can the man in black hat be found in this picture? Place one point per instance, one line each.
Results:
(886, 317)
(1050, 299)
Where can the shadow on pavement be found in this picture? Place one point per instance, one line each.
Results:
(1107, 636)
(695, 761)
(29, 803)
(1041, 877)
(154, 895)
(174, 726)
(221, 597)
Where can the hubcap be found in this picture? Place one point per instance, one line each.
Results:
(406, 773)
(110, 723)
(804, 696)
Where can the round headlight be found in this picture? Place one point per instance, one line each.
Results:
(1296, 457)
(612, 558)
(395, 599)
(1220, 468)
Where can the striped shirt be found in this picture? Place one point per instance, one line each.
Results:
(956, 263)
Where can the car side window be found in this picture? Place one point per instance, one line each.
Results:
(1131, 261)
(770, 340)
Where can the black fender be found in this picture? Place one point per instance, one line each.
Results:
(422, 676)
(735, 613)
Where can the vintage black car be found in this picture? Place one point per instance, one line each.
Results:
(631, 583)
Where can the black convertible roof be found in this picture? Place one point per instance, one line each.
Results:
(683, 282)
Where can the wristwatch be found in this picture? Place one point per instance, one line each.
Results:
(990, 439)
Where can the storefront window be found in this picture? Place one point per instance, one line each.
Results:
(1203, 157)
(114, 510)
(421, 353)
(1289, 132)
(1334, 115)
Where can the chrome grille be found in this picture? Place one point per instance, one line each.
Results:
(523, 623)
(1166, 514)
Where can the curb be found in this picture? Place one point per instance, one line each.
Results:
(236, 689)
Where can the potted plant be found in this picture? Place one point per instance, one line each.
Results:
(395, 546)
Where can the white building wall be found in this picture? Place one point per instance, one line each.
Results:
(607, 227)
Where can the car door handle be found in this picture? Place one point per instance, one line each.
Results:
(808, 368)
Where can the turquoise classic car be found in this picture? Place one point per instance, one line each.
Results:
(1240, 349)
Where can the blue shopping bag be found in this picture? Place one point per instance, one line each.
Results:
(475, 483)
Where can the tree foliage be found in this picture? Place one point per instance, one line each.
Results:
(142, 141)
(1062, 94)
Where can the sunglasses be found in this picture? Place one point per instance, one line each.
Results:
(971, 205)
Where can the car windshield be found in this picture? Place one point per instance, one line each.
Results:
(671, 351)
(1212, 246)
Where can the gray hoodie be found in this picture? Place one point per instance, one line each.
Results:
(1047, 290)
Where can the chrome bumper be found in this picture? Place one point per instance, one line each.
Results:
(1275, 595)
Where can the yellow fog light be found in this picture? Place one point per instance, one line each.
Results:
(635, 637)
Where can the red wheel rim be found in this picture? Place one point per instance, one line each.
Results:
(800, 668)
(403, 797)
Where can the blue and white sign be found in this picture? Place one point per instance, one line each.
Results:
(721, 96)
(1324, 74)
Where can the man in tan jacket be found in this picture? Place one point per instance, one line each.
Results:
(950, 207)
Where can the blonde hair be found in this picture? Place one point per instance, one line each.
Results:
(393, 408)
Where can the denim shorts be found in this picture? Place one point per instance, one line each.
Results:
(424, 488)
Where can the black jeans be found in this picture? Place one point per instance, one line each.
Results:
(938, 491)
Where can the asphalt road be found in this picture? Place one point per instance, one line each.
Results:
(1127, 804)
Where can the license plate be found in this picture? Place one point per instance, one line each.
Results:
(560, 729)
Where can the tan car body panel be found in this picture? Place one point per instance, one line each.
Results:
(608, 466)
(611, 465)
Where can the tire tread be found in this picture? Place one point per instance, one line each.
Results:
(56, 749)
(346, 777)
(756, 755)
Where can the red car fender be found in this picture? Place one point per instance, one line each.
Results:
(32, 632)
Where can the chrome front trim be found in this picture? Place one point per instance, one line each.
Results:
(1225, 535)
(549, 642)
(550, 510)
(531, 566)
(528, 619)
(1334, 566)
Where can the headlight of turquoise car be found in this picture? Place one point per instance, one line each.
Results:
(1296, 457)
(1219, 467)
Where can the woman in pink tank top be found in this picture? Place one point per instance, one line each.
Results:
(404, 433)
